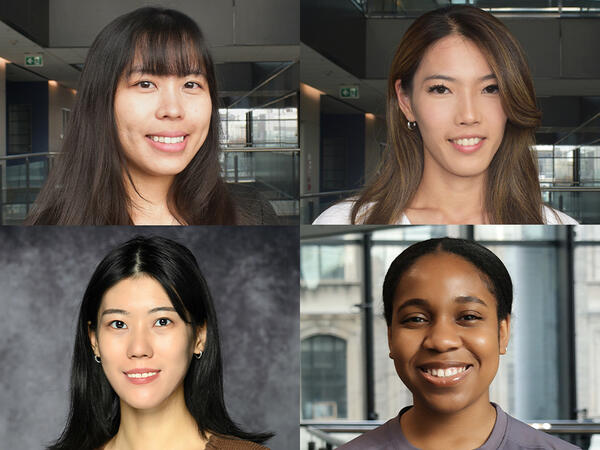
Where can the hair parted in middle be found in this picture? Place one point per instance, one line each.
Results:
(94, 415)
(485, 261)
(512, 192)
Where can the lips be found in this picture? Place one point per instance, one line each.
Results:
(467, 144)
(142, 376)
(168, 141)
(443, 374)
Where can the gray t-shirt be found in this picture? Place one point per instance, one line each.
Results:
(508, 434)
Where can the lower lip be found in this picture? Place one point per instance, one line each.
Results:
(143, 380)
(468, 148)
(171, 148)
(445, 381)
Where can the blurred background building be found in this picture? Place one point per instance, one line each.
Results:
(549, 375)
(346, 50)
(43, 45)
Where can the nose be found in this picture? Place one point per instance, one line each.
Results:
(442, 336)
(170, 103)
(467, 110)
(139, 345)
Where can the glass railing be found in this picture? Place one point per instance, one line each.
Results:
(272, 171)
(411, 8)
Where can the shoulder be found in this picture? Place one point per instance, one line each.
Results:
(555, 217)
(251, 205)
(338, 214)
(220, 442)
(521, 436)
(386, 436)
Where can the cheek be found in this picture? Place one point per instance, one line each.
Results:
(432, 116)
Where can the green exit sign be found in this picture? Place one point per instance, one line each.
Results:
(34, 60)
(349, 92)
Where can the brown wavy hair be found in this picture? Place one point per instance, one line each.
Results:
(86, 186)
(512, 192)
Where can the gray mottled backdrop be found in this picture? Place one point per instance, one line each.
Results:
(253, 276)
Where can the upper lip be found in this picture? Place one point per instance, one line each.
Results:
(168, 134)
(142, 370)
(443, 364)
(471, 136)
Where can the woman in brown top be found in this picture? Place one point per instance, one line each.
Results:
(147, 369)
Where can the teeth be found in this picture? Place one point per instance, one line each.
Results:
(442, 373)
(141, 375)
(467, 142)
(167, 140)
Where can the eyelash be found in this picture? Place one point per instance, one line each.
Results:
(439, 87)
(139, 83)
(114, 323)
(419, 319)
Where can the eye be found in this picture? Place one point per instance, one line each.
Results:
(192, 85)
(162, 322)
(491, 89)
(469, 317)
(414, 320)
(438, 89)
(118, 324)
(144, 84)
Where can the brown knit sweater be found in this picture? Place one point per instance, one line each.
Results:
(231, 443)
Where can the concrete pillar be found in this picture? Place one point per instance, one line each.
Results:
(310, 144)
(3, 130)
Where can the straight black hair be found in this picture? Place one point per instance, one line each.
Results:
(94, 414)
(493, 270)
(87, 184)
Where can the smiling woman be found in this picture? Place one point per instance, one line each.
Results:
(461, 119)
(447, 305)
(147, 369)
(143, 144)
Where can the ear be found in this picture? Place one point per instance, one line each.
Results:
(389, 333)
(93, 339)
(200, 339)
(404, 101)
(504, 334)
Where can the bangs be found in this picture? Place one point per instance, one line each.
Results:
(166, 52)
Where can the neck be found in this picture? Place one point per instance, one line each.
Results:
(149, 199)
(169, 425)
(448, 199)
(469, 428)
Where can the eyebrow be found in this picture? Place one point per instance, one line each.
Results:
(140, 71)
(152, 311)
(419, 302)
(489, 76)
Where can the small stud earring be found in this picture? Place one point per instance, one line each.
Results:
(198, 355)
(411, 125)
(97, 359)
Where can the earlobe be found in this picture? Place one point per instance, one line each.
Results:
(404, 101)
(504, 334)
(389, 333)
(200, 339)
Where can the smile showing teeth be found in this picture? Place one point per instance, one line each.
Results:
(442, 373)
(141, 375)
(467, 142)
(167, 140)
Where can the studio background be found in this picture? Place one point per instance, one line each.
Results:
(253, 276)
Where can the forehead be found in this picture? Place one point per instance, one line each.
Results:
(133, 294)
(440, 278)
(454, 56)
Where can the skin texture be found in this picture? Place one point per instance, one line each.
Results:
(446, 326)
(153, 105)
(133, 337)
(468, 105)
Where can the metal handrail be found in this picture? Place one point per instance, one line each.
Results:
(549, 426)
(323, 194)
(260, 149)
(324, 436)
(27, 155)
(575, 130)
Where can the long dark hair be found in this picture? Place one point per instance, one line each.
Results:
(94, 415)
(86, 186)
(512, 191)
(491, 267)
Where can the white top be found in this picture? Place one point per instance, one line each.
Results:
(339, 214)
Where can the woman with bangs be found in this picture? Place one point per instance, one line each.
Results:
(461, 118)
(142, 147)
